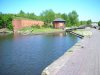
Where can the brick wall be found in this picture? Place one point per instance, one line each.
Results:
(58, 25)
(18, 24)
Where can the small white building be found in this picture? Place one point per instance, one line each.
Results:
(95, 25)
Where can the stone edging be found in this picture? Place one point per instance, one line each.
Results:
(53, 68)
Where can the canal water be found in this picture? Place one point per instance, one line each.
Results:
(30, 54)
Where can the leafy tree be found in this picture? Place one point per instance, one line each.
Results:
(1, 21)
(38, 17)
(73, 18)
(58, 15)
(99, 23)
(89, 22)
(6, 21)
(10, 26)
(30, 16)
(66, 18)
(21, 13)
(83, 22)
(48, 16)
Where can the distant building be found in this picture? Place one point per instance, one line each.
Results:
(94, 24)
(59, 23)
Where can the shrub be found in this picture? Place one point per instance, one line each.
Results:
(36, 26)
(47, 26)
(6, 21)
(99, 23)
(9, 26)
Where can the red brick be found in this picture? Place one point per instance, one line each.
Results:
(18, 24)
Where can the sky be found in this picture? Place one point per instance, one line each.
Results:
(86, 9)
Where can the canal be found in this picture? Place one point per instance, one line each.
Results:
(30, 54)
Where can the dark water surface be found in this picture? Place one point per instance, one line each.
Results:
(30, 54)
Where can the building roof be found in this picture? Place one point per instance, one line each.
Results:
(94, 24)
(59, 19)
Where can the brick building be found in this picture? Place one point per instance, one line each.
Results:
(59, 23)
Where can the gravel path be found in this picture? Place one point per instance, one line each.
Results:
(85, 61)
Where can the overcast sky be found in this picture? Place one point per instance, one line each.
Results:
(86, 9)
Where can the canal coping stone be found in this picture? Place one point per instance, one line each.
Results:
(53, 68)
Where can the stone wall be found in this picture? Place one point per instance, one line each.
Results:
(18, 24)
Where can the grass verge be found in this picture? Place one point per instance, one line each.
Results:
(30, 30)
(83, 32)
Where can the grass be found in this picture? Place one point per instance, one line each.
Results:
(33, 30)
(83, 32)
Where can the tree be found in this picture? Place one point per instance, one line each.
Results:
(30, 16)
(58, 15)
(47, 16)
(83, 22)
(6, 21)
(65, 17)
(21, 13)
(99, 23)
(89, 22)
(1, 23)
(73, 18)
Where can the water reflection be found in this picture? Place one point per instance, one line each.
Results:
(30, 54)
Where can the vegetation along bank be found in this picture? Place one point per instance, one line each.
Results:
(46, 16)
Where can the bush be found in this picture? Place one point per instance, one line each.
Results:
(47, 26)
(36, 26)
(6, 21)
(9, 26)
(99, 23)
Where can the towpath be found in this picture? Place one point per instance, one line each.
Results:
(85, 61)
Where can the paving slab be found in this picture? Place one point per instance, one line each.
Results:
(85, 61)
